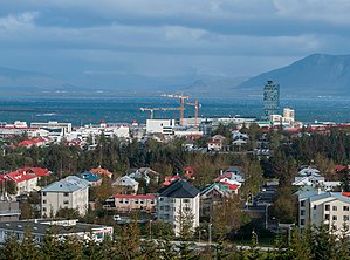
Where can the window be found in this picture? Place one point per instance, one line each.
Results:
(136, 202)
(126, 202)
(161, 208)
(66, 202)
(302, 222)
(346, 217)
(174, 208)
(345, 208)
(186, 201)
(334, 228)
(44, 194)
(302, 203)
(141, 202)
(161, 199)
(44, 201)
(346, 227)
(302, 212)
(187, 209)
(334, 217)
(326, 216)
(121, 201)
(65, 194)
(152, 201)
(44, 209)
(315, 207)
(334, 208)
(326, 207)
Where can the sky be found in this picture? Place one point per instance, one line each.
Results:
(156, 38)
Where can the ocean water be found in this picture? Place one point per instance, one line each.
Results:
(125, 109)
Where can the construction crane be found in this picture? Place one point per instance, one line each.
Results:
(182, 105)
(196, 106)
(157, 109)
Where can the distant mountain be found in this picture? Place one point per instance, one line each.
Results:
(314, 75)
(20, 82)
(13, 82)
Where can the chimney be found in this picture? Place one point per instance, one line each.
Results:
(220, 172)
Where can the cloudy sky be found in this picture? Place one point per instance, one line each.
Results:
(168, 38)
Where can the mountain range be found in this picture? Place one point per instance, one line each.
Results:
(314, 75)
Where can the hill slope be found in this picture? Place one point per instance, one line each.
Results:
(314, 75)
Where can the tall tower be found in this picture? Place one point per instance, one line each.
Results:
(271, 99)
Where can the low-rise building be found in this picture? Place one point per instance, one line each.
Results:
(9, 210)
(126, 203)
(71, 192)
(102, 172)
(177, 203)
(127, 184)
(26, 179)
(92, 178)
(61, 229)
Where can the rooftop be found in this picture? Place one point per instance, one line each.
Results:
(179, 189)
(68, 184)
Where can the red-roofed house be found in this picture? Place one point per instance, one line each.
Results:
(102, 172)
(125, 203)
(26, 178)
(37, 141)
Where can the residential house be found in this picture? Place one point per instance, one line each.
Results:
(125, 203)
(311, 177)
(213, 195)
(92, 178)
(101, 172)
(232, 175)
(71, 192)
(216, 143)
(26, 179)
(144, 173)
(37, 141)
(63, 229)
(328, 209)
(177, 203)
(127, 184)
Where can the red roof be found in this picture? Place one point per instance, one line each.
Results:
(345, 194)
(138, 196)
(33, 141)
(27, 173)
(225, 175)
(339, 167)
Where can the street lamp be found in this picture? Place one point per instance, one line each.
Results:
(150, 229)
(209, 237)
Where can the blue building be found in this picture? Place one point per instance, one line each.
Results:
(271, 99)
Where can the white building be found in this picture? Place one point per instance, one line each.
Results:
(328, 209)
(178, 203)
(157, 126)
(63, 128)
(127, 184)
(71, 192)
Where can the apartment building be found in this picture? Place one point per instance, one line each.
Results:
(177, 203)
(71, 192)
(328, 209)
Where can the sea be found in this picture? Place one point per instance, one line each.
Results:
(85, 110)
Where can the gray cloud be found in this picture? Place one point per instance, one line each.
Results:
(163, 37)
